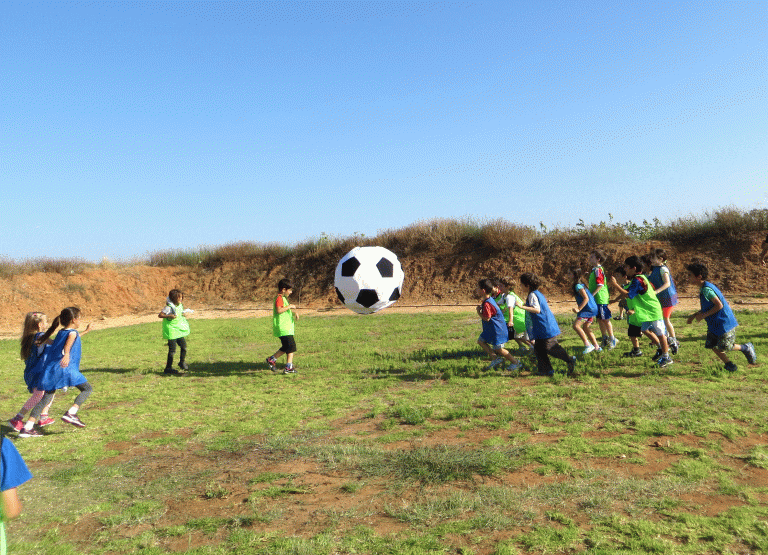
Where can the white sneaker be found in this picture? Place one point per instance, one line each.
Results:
(588, 349)
(612, 343)
(496, 362)
(514, 366)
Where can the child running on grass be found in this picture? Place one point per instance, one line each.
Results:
(61, 370)
(647, 308)
(633, 329)
(514, 316)
(665, 289)
(586, 310)
(34, 357)
(13, 473)
(284, 317)
(598, 286)
(544, 329)
(494, 334)
(175, 330)
(721, 323)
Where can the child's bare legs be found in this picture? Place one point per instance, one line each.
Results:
(485, 347)
(502, 352)
(579, 331)
(589, 333)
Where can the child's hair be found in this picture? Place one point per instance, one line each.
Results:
(575, 274)
(698, 269)
(599, 255)
(646, 260)
(620, 270)
(531, 281)
(506, 281)
(67, 315)
(284, 284)
(634, 262)
(31, 327)
(175, 295)
(661, 254)
(486, 285)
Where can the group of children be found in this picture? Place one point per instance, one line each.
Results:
(648, 291)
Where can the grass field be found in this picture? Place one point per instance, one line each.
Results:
(392, 439)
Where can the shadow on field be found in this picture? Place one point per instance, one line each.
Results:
(199, 369)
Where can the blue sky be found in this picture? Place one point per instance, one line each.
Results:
(133, 127)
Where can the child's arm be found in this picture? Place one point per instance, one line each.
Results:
(87, 329)
(583, 303)
(67, 347)
(665, 282)
(699, 316)
(620, 291)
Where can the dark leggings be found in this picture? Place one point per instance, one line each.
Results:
(546, 347)
(85, 391)
(182, 343)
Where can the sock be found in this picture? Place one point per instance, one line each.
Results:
(73, 410)
(18, 416)
(29, 425)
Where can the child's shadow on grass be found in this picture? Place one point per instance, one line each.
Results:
(200, 369)
(402, 367)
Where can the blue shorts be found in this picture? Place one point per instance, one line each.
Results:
(603, 312)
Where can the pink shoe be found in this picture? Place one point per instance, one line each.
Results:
(45, 420)
(16, 423)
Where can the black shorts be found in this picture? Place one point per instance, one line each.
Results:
(287, 344)
(634, 331)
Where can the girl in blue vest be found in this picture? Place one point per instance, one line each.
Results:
(495, 333)
(544, 329)
(586, 311)
(721, 323)
(62, 369)
(666, 292)
(175, 330)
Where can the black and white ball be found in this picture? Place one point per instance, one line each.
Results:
(368, 279)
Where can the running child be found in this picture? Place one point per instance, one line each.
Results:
(647, 309)
(586, 310)
(633, 328)
(175, 330)
(495, 333)
(666, 292)
(721, 323)
(61, 369)
(13, 473)
(284, 317)
(598, 286)
(544, 329)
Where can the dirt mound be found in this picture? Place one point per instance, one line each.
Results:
(432, 278)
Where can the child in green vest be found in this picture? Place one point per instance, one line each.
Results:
(175, 330)
(284, 317)
(633, 329)
(647, 309)
(514, 316)
(598, 286)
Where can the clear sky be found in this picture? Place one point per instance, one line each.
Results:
(132, 127)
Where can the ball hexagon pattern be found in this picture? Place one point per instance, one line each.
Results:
(368, 279)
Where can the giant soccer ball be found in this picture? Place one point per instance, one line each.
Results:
(368, 279)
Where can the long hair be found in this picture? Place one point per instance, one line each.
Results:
(29, 329)
(576, 274)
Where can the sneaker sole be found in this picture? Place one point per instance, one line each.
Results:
(75, 423)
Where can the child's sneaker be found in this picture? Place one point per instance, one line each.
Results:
(588, 349)
(16, 423)
(634, 353)
(657, 356)
(184, 366)
(731, 366)
(73, 419)
(664, 361)
(749, 351)
(674, 346)
(612, 342)
(571, 365)
(30, 433)
(496, 362)
(272, 363)
(45, 420)
(289, 370)
(515, 366)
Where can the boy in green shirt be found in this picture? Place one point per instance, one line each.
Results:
(283, 320)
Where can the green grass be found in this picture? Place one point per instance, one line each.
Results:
(391, 439)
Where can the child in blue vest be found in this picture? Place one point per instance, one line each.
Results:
(495, 333)
(175, 330)
(586, 311)
(13, 473)
(666, 292)
(721, 323)
(544, 329)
